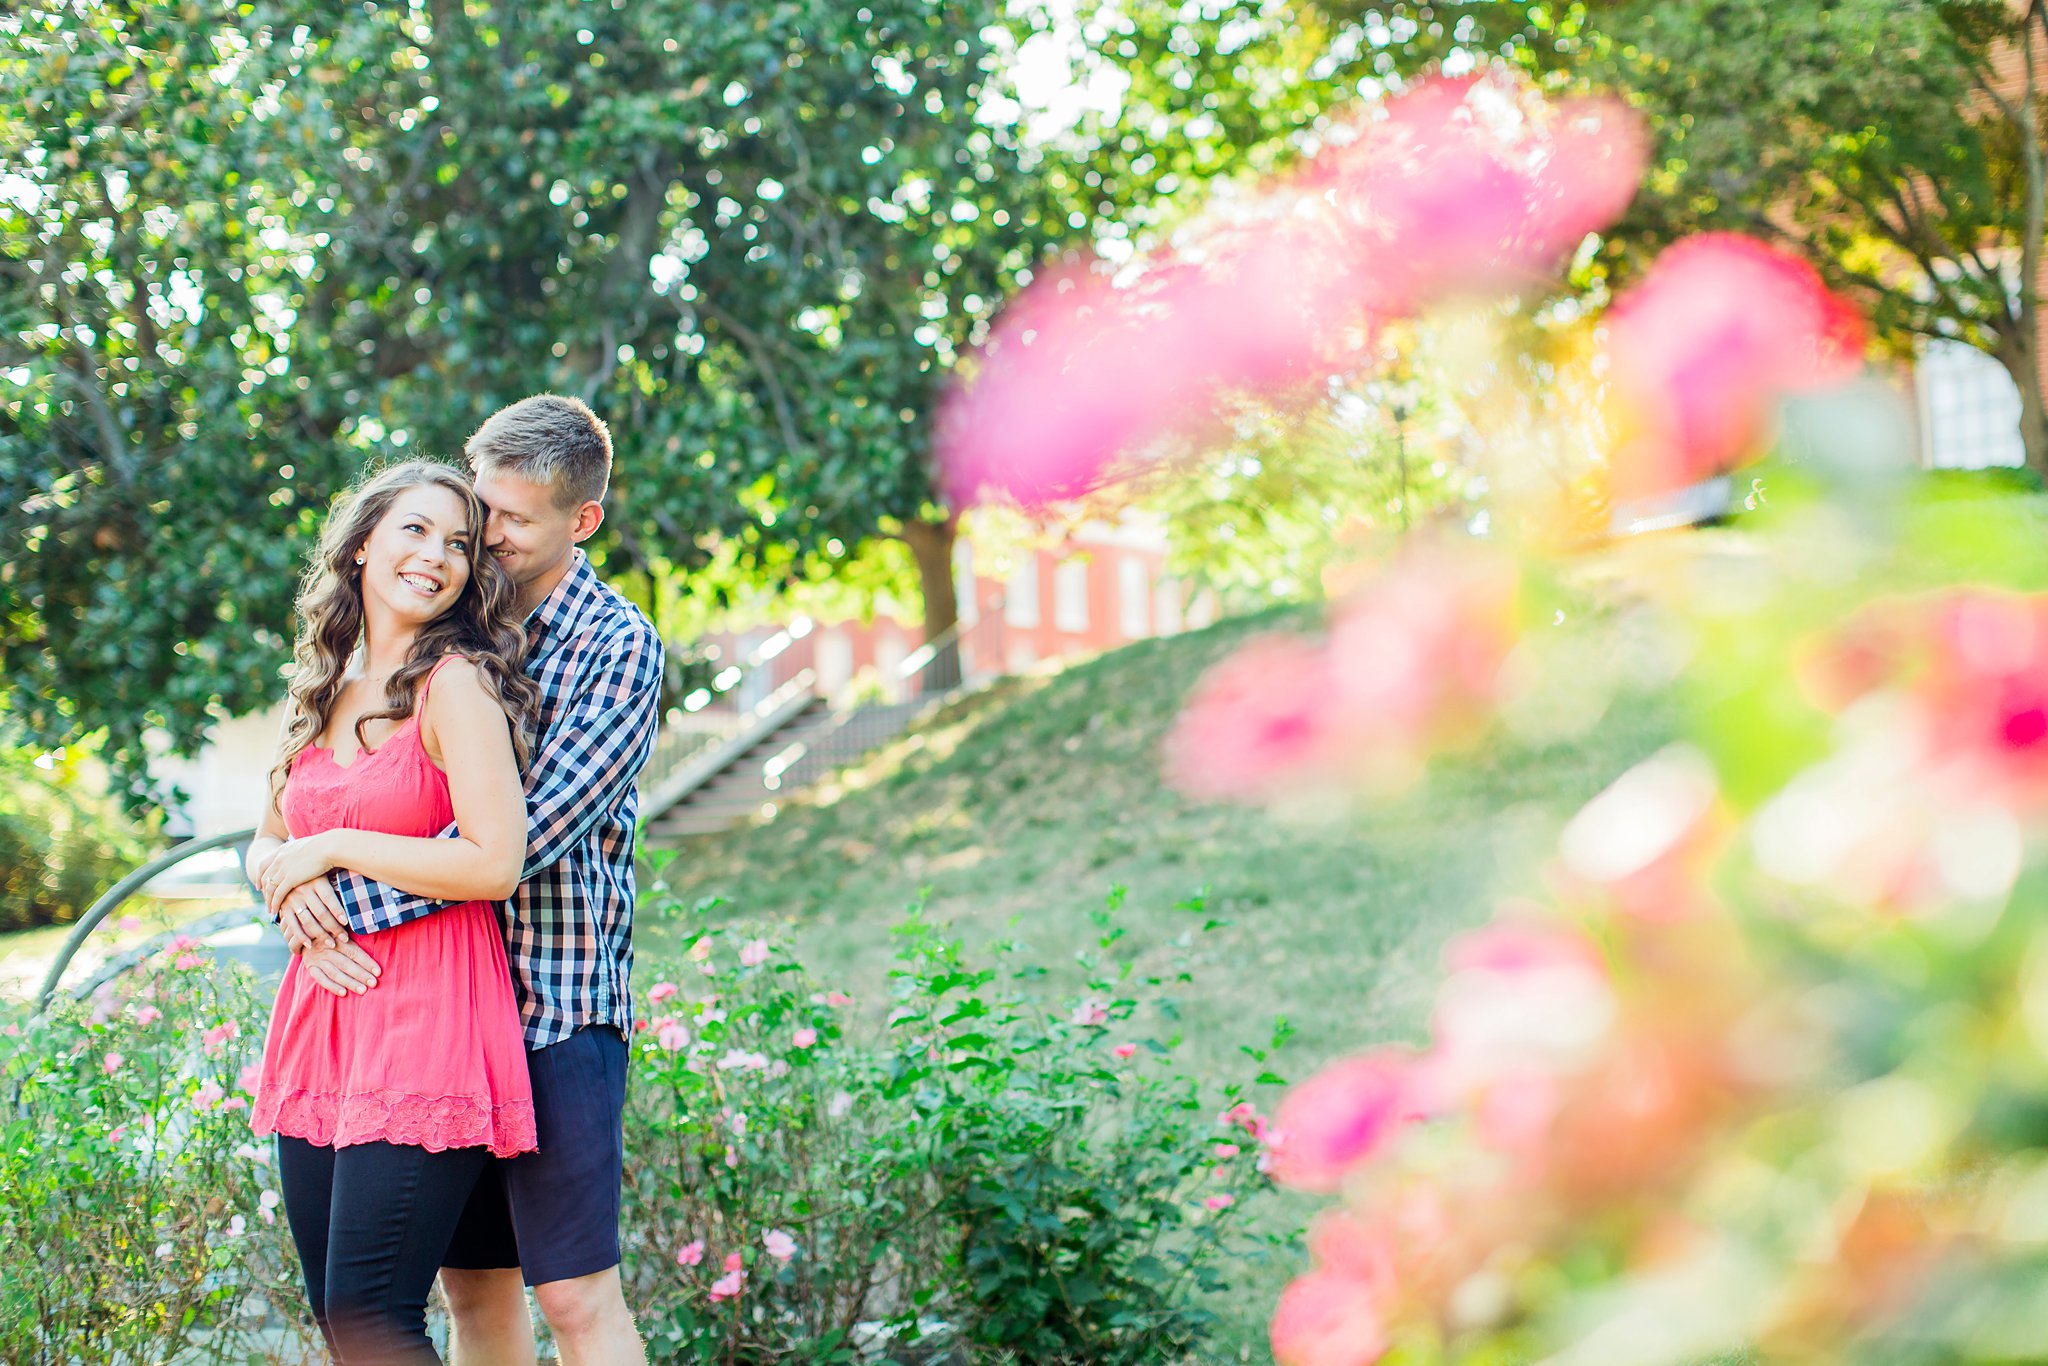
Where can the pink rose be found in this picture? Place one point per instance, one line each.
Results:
(148, 1015)
(1245, 1115)
(670, 1035)
(111, 1063)
(805, 1038)
(1213, 1203)
(838, 998)
(728, 1286)
(780, 1245)
(207, 1096)
(188, 961)
(1223, 1152)
(753, 953)
(690, 1253)
(1325, 1319)
(1090, 1013)
(1702, 350)
(249, 1078)
(660, 992)
(217, 1037)
(1338, 1118)
(1124, 1051)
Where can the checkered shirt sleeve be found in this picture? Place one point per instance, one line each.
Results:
(594, 747)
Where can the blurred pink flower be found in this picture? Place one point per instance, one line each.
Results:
(1460, 186)
(838, 998)
(148, 1015)
(217, 1037)
(1340, 1117)
(1412, 666)
(740, 1060)
(1214, 1203)
(779, 1245)
(234, 1103)
(1124, 1051)
(690, 1253)
(1524, 1001)
(1225, 1151)
(670, 1034)
(660, 992)
(1326, 1319)
(187, 961)
(266, 1205)
(805, 1038)
(11, 1030)
(1259, 724)
(111, 1063)
(753, 953)
(249, 1078)
(207, 1096)
(1090, 1013)
(128, 924)
(181, 942)
(1703, 349)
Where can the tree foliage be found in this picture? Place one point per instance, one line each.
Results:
(244, 253)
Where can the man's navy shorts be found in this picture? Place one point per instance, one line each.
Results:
(554, 1213)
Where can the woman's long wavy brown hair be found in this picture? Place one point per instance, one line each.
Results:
(484, 625)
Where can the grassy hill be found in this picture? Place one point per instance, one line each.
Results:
(1015, 810)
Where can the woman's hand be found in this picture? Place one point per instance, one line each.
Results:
(296, 861)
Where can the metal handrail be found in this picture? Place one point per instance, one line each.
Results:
(111, 899)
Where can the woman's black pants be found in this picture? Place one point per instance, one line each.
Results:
(371, 1222)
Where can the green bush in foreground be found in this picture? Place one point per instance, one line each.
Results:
(984, 1172)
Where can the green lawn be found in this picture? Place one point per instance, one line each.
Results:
(1018, 808)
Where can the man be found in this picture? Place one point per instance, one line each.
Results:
(549, 1219)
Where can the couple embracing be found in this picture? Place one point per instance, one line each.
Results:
(469, 710)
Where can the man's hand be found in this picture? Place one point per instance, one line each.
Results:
(310, 915)
(347, 970)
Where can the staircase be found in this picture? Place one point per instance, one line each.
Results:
(759, 769)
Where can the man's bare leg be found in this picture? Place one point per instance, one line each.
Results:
(590, 1320)
(488, 1322)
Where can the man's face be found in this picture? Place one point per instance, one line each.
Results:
(528, 532)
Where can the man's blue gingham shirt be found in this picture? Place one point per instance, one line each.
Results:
(569, 932)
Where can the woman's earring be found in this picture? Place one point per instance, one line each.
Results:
(360, 557)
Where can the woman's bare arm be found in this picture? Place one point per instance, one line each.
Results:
(466, 730)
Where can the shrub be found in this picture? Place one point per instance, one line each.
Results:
(984, 1169)
(141, 1218)
(980, 1170)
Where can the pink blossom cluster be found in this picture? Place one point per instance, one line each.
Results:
(1411, 666)
(1544, 1093)
(732, 1281)
(1458, 186)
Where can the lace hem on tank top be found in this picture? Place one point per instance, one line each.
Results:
(436, 1123)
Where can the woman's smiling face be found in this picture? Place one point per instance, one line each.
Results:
(416, 561)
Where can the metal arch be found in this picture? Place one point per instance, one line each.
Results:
(112, 898)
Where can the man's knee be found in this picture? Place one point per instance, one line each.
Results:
(492, 1295)
(583, 1305)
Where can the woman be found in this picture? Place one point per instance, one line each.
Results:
(407, 712)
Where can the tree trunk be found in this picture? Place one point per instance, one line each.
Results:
(931, 545)
(2022, 362)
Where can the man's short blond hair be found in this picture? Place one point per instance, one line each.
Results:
(548, 439)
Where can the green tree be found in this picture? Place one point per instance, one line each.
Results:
(243, 251)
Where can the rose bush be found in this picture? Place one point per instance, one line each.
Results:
(975, 1165)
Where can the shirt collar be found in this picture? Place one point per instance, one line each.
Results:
(575, 594)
